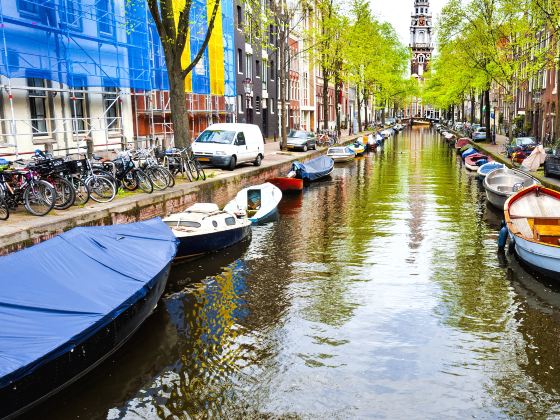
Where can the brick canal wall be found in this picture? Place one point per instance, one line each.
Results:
(146, 206)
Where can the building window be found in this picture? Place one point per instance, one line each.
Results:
(272, 70)
(249, 66)
(112, 108)
(271, 107)
(29, 8)
(78, 109)
(70, 14)
(258, 68)
(240, 104)
(258, 105)
(239, 18)
(105, 18)
(240, 61)
(38, 107)
(264, 72)
(421, 59)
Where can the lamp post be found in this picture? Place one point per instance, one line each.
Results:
(494, 105)
(536, 101)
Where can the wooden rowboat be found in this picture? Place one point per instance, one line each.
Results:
(287, 184)
(476, 160)
(533, 220)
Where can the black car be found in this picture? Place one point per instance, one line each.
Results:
(552, 163)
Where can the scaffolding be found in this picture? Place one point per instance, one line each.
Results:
(105, 49)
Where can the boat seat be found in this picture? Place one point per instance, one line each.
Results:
(523, 227)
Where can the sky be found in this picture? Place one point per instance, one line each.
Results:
(397, 12)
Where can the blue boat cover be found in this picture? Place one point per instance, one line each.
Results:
(56, 294)
(490, 166)
(468, 152)
(314, 169)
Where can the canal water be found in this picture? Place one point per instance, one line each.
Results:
(378, 293)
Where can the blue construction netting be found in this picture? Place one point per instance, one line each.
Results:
(101, 43)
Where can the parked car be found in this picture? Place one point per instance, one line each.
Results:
(302, 140)
(230, 144)
(479, 134)
(552, 163)
(526, 144)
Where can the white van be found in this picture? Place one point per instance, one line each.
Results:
(229, 145)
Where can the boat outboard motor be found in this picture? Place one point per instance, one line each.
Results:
(503, 237)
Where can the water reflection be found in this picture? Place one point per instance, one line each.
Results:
(377, 293)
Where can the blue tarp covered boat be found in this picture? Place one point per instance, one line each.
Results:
(315, 169)
(68, 303)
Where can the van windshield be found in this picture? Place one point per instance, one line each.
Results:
(216, 136)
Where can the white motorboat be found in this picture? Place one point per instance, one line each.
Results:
(259, 202)
(533, 220)
(341, 154)
(503, 183)
(204, 228)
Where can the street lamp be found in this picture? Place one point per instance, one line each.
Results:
(495, 104)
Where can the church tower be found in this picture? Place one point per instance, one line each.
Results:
(421, 32)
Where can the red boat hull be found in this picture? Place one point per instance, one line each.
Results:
(287, 184)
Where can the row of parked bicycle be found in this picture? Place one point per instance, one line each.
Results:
(45, 182)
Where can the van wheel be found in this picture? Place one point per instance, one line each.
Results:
(232, 163)
(305, 147)
(258, 160)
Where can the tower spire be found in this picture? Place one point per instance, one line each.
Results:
(421, 31)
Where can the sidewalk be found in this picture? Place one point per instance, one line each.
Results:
(495, 150)
(23, 229)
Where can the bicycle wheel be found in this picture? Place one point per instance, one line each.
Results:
(65, 193)
(81, 190)
(158, 177)
(191, 168)
(200, 174)
(129, 182)
(170, 177)
(39, 198)
(143, 181)
(4, 210)
(101, 189)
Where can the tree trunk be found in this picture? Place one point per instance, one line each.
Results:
(283, 107)
(463, 119)
(472, 108)
(452, 113)
(325, 100)
(383, 116)
(337, 105)
(487, 112)
(366, 103)
(481, 109)
(178, 104)
(556, 135)
(359, 105)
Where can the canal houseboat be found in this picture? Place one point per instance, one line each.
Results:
(503, 183)
(533, 220)
(204, 228)
(259, 202)
(70, 302)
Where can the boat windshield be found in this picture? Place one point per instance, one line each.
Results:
(216, 136)
(189, 223)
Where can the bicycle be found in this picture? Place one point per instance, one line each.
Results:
(101, 187)
(182, 161)
(125, 173)
(49, 169)
(4, 210)
(160, 176)
(24, 187)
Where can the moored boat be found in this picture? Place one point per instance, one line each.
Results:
(475, 160)
(259, 202)
(485, 169)
(341, 154)
(315, 169)
(70, 302)
(204, 228)
(287, 184)
(533, 220)
(469, 151)
(358, 148)
(460, 143)
(500, 184)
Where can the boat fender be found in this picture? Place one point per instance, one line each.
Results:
(503, 237)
